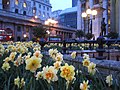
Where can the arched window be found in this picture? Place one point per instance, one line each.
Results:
(24, 5)
(16, 2)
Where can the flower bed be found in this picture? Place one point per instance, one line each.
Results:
(25, 67)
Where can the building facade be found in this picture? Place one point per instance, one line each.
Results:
(74, 3)
(21, 15)
(68, 17)
(55, 14)
(103, 11)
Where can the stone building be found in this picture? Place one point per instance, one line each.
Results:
(95, 24)
(21, 15)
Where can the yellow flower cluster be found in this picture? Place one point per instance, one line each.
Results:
(53, 53)
(33, 63)
(19, 82)
(67, 72)
(2, 49)
(90, 65)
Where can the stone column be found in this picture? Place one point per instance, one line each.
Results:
(79, 17)
(12, 5)
(105, 13)
(117, 15)
(112, 15)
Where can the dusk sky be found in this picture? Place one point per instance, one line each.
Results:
(60, 4)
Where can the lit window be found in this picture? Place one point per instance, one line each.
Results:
(24, 5)
(16, 2)
(34, 10)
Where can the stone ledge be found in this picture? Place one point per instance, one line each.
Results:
(104, 64)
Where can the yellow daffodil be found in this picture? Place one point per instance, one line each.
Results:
(39, 75)
(12, 56)
(73, 55)
(86, 56)
(92, 68)
(84, 85)
(5, 66)
(38, 54)
(67, 72)
(109, 80)
(50, 74)
(19, 83)
(86, 62)
(57, 65)
(53, 52)
(33, 63)
(59, 57)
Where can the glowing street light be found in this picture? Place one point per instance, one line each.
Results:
(87, 14)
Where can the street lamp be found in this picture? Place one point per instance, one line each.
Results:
(86, 16)
(50, 23)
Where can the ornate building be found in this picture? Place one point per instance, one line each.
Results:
(21, 15)
(102, 7)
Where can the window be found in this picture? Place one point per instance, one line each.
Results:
(16, 10)
(34, 10)
(43, 14)
(39, 5)
(43, 7)
(48, 15)
(47, 8)
(24, 5)
(18, 28)
(16, 2)
(24, 12)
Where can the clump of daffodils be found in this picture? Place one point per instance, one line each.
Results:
(33, 63)
(19, 82)
(73, 55)
(2, 49)
(53, 53)
(5, 66)
(67, 72)
(59, 57)
(50, 74)
(109, 80)
(84, 85)
(92, 68)
(90, 65)
(57, 65)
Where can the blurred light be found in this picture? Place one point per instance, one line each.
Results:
(94, 12)
(24, 35)
(84, 14)
(48, 32)
(36, 17)
(88, 11)
(10, 36)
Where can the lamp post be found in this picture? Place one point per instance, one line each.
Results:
(86, 16)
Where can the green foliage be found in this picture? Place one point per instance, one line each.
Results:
(112, 35)
(89, 36)
(79, 33)
(39, 31)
